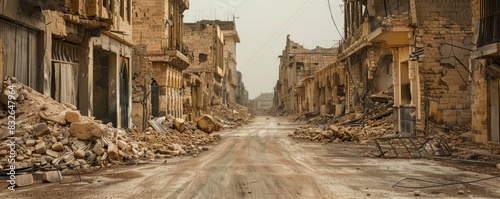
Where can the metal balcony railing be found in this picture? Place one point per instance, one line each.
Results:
(489, 24)
(178, 45)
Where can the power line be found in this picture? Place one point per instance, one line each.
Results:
(333, 20)
(267, 50)
(278, 31)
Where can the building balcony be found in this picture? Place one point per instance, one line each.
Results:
(89, 14)
(487, 51)
(175, 53)
(394, 32)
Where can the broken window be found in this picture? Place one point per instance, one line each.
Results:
(202, 57)
(489, 30)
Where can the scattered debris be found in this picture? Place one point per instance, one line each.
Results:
(50, 136)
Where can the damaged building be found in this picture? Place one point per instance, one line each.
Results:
(485, 65)
(412, 54)
(419, 50)
(207, 39)
(212, 79)
(297, 62)
(77, 52)
(161, 55)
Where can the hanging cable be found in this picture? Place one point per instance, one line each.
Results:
(333, 20)
(276, 33)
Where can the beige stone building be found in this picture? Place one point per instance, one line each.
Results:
(231, 39)
(485, 65)
(297, 62)
(206, 40)
(161, 55)
(416, 50)
(76, 52)
(263, 102)
(241, 91)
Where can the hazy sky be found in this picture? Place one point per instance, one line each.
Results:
(263, 26)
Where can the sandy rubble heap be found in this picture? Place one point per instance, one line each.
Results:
(55, 135)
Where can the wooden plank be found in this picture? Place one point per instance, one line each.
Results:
(68, 87)
(57, 75)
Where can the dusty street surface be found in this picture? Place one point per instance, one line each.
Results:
(261, 161)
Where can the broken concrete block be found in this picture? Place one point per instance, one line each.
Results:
(70, 106)
(334, 128)
(64, 141)
(52, 176)
(79, 154)
(327, 134)
(68, 158)
(85, 130)
(207, 124)
(179, 124)
(54, 114)
(170, 118)
(52, 153)
(73, 116)
(24, 180)
(113, 151)
(40, 148)
(41, 129)
(5, 97)
(30, 143)
(121, 144)
(98, 149)
(58, 146)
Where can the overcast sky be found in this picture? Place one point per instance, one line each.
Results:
(263, 26)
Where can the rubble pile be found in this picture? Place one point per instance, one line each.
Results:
(338, 133)
(352, 127)
(54, 135)
(230, 116)
(460, 138)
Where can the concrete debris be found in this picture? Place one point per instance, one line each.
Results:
(86, 130)
(56, 136)
(24, 180)
(179, 124)
(41, 129)
(73, 116)
(416, 193)
(52, 176)
(207, 124)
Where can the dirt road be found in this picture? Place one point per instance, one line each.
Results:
(260, 161)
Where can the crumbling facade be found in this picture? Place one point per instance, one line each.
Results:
(297, 62)
(161, 55)
(206, 39)
(77, 52)
(230, 81)
(411, 54)
(241, 91)
(485, 66)
(422, 46)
